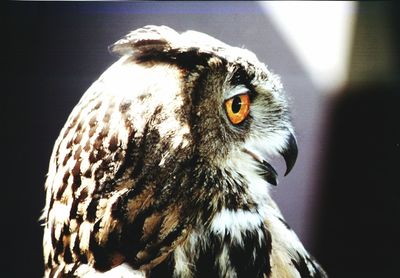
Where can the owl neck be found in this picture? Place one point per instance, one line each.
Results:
(229, 237)
(236, 244)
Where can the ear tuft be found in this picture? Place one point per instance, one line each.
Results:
(150, 38)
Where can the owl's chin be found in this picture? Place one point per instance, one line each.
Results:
(289, 152)
(267, 171)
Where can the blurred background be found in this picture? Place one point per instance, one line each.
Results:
(339, 62)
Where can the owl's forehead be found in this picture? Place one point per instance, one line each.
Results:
(242, 65)
(207, 43)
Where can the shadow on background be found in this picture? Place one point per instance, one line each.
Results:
(359, 221)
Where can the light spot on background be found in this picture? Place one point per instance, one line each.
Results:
(320, 34)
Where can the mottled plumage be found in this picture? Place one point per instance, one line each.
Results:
(161, 169)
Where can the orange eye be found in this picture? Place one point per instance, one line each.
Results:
(237, 108)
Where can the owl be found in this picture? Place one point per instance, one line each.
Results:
(163, 167)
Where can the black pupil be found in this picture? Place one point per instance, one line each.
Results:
(236, 104)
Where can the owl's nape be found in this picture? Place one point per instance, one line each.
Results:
(163, 167)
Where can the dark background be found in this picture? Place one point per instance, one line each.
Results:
(342, 197)
(358, 229)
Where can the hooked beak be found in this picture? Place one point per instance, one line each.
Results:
(289, 153)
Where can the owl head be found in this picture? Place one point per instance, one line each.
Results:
(205, 116)
(201, 94)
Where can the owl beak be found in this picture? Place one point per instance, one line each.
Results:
(289, 153)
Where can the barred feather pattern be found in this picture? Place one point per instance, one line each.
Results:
(148, 178)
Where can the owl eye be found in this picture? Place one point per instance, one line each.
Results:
(238, 108)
